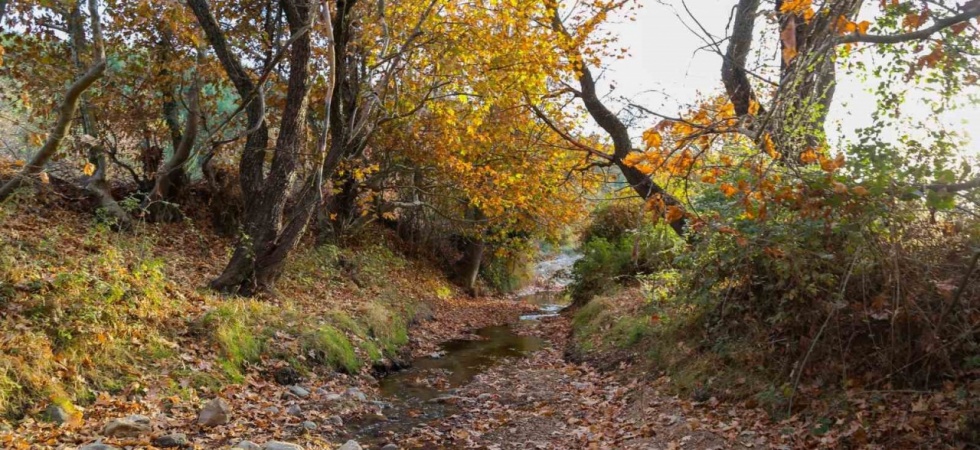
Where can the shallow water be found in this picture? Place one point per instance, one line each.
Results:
(423, 393)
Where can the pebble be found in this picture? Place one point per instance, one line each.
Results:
(295, 410)
(171, 440)
(131, 426)
(350, 445)
(444, 399)
(309, 425)
(97, 446)
(272, 410)
(390, 447)
(336, 421)
(276, 445)
(247, 445)
(299, 391)
(57, 414)
(356, 393)
(215, 412)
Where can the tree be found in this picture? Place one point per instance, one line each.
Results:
(572, 44)
(69, 105)
(269, 230)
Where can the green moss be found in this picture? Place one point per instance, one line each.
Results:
(332, 347)
(387, 327)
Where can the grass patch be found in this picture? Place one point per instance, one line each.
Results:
(331, 347)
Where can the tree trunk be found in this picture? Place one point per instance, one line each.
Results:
(642, 184)
(158, 204)
(468, 267)
(261, 252)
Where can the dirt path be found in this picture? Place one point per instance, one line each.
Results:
(544, 402)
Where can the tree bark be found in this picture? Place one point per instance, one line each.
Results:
(468, 267)
(641, 183)
(259, 255)
(158, 204)
(97, 184)
(733, 73)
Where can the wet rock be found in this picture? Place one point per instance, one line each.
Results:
(445, 399)
(356, 393)
(299, 391)
(131, 426)
(372, 419)
(382, 405)
(336, 421)
(437, 355)
(247, 445)
(350, 445)
(56, 414)
(216, 412)
(287, 375)
(295, 410)
(309, 425)
(171, 440)
(97, 446)
(276, 445)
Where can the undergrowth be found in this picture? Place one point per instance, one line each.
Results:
(785, 312)
(89, 310)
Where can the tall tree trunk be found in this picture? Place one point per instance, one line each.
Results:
(157, 204)
(260, 254)
(807, 80)
(66, 113)
(97, 184)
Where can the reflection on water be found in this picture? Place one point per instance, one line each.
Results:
(461, 361)
(412, 391)
(419, 395)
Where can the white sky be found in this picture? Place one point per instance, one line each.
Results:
(663, 70)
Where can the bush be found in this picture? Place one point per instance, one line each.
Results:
(614, 220)
(606, 262)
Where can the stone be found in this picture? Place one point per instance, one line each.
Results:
(356, 393)
(333, 398)
(247, 445)
(437, 355)
(336, 421)
(351, 445)
(276, 445)
(287, 375)
(382, 405)
(272, 410)
(295, 410)
(97, 446)
(216, 412)
(131, 426)
(299, 391)
(390, 447)
(57, 414)
(445, 399)
(484, 397)
(171, 440)
(309, 425)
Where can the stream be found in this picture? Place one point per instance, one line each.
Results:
(425, 391)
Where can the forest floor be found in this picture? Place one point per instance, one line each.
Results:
(113, 338)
